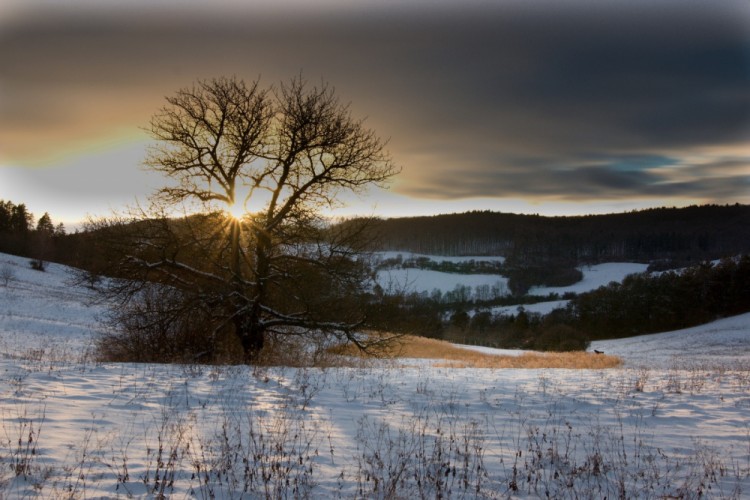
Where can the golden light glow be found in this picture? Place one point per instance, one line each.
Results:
(236, 211)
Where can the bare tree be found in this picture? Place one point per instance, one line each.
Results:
(283, 155)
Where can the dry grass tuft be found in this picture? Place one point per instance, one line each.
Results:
(457, 357)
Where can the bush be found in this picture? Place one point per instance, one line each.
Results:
(561, 338)
(7, 274)
(38, 265)
(152, 328)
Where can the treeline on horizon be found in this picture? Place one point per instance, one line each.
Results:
(683, 235)
(538, 250)
(22, 234)
(659, 236)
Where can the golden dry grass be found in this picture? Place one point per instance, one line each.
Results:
(457, 357)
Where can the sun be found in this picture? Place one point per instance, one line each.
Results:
(235, 210)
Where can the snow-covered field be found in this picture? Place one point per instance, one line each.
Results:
(413, 280)
(725, 342)
(594, 277)
(673, 423)
(393, 254)
(424, 280)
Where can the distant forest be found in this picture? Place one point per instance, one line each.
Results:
(21, 234)
(538, 251)
(676, 236)
(641, 304)
(683, 235)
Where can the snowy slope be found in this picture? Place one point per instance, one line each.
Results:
(594, 277)
(72, 429)
(726, 341)
(41, 310)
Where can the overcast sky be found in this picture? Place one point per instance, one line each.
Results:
(552, 107)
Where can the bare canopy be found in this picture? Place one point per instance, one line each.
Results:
(298, 144)
(287, 152)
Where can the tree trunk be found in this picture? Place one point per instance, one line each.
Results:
(251, 336)
(247, 325)
(253, 331)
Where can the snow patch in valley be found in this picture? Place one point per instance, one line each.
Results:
(594, 277)
(394, 254)
(425, 280)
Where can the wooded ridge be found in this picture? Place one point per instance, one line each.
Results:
(688, 234)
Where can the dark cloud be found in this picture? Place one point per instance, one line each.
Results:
(615, 178)
(588, 100)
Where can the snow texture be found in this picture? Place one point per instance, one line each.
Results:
(673, 423)
(594, 277)
(424, 280)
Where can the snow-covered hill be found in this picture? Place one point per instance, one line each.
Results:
(44, 311)
(726, 342)
(671, 424)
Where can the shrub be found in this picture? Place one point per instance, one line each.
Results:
(7, 274)
(561, 338)
(150, 327)
(38, 265)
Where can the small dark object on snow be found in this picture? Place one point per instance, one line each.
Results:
(598, 352)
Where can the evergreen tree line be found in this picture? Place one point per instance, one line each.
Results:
(16, 224)
(678, 235)
(641, 304)
(21, 235)
(658, 302)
